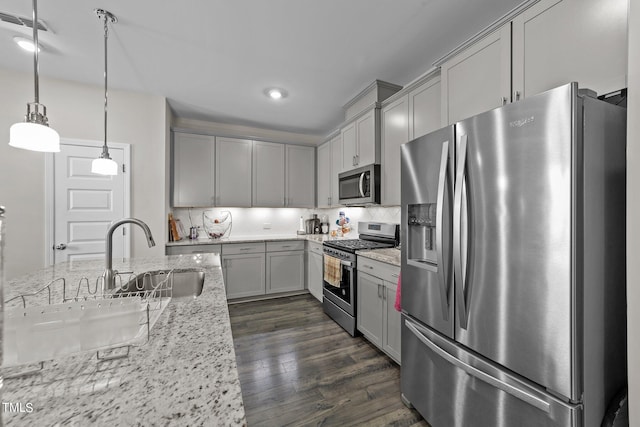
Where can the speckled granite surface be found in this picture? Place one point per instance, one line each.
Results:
(390, 255)
(253, 239)
(186, 374)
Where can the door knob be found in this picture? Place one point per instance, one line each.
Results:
(60, 247)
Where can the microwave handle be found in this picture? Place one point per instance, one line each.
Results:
(361, 184)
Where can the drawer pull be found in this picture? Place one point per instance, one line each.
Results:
(367, 266)
(395, 275)
(286, 246)
(245, 249)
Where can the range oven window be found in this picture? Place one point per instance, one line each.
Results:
(344, 291)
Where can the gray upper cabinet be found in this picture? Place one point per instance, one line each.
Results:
(233, 172)
(556, 42)
(349, 147)
(368, 135)
(193, 161)
(425, 108)
(329, 166)
(323, 175)
(413, 115)
(300, 175)
(268, 174)
(336, 164)
(395, 132)
(478, 79)
(361, 140)
(552, 43)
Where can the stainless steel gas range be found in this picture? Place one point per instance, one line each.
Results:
(339, 302)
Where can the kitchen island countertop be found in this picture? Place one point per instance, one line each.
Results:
(186, 373)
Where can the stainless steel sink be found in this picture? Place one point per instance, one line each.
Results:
(179, 283)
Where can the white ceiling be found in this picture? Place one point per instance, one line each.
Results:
(212, 59)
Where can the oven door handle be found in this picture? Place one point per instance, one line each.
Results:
(348, 264)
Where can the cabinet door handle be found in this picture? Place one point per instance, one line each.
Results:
(384, 293)
(379, 291)
(504, 100)
(517, 95)
(357, 159)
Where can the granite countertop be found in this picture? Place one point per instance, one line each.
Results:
(388, 255)
(186, 373)
(255, 239)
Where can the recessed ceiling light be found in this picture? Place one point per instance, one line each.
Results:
(25, 43)
(275, 93)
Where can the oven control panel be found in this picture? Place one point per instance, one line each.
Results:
(338, 253)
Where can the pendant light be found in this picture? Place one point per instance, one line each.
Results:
(34, 133)
(104, 165)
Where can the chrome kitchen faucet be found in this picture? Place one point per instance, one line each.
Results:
(108, 278)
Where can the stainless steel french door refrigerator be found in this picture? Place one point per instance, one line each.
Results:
(513, 265)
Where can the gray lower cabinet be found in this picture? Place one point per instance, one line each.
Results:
(314, 269)
(369, 307)
(243, 269)
(392, 322)
(377, 317)
(192, 249)
(285, 266)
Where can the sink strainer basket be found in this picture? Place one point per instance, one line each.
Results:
(217, 225)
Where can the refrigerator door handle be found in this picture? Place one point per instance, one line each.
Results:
(443, 278)
(463, 313)
(477, 373)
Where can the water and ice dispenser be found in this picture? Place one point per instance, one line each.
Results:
(421, 227)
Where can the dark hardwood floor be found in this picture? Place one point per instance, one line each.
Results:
(298, 367)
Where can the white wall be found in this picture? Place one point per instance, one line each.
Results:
(633, 213)
(77, 111)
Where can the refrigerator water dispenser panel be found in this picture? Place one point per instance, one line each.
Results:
(421, 222)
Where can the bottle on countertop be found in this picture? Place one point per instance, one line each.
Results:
(324, 224)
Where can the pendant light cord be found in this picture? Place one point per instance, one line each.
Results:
(106, 17)
(35, 55)
(105, 149)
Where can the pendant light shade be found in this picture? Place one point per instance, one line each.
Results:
(34, 133)
(104, 165)
(34, 137)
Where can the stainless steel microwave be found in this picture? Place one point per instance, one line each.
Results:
(359, 187)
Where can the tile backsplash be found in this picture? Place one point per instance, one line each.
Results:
(284, 221)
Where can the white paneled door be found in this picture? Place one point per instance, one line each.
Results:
(84, 204)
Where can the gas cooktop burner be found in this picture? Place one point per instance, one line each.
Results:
(352, 245)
